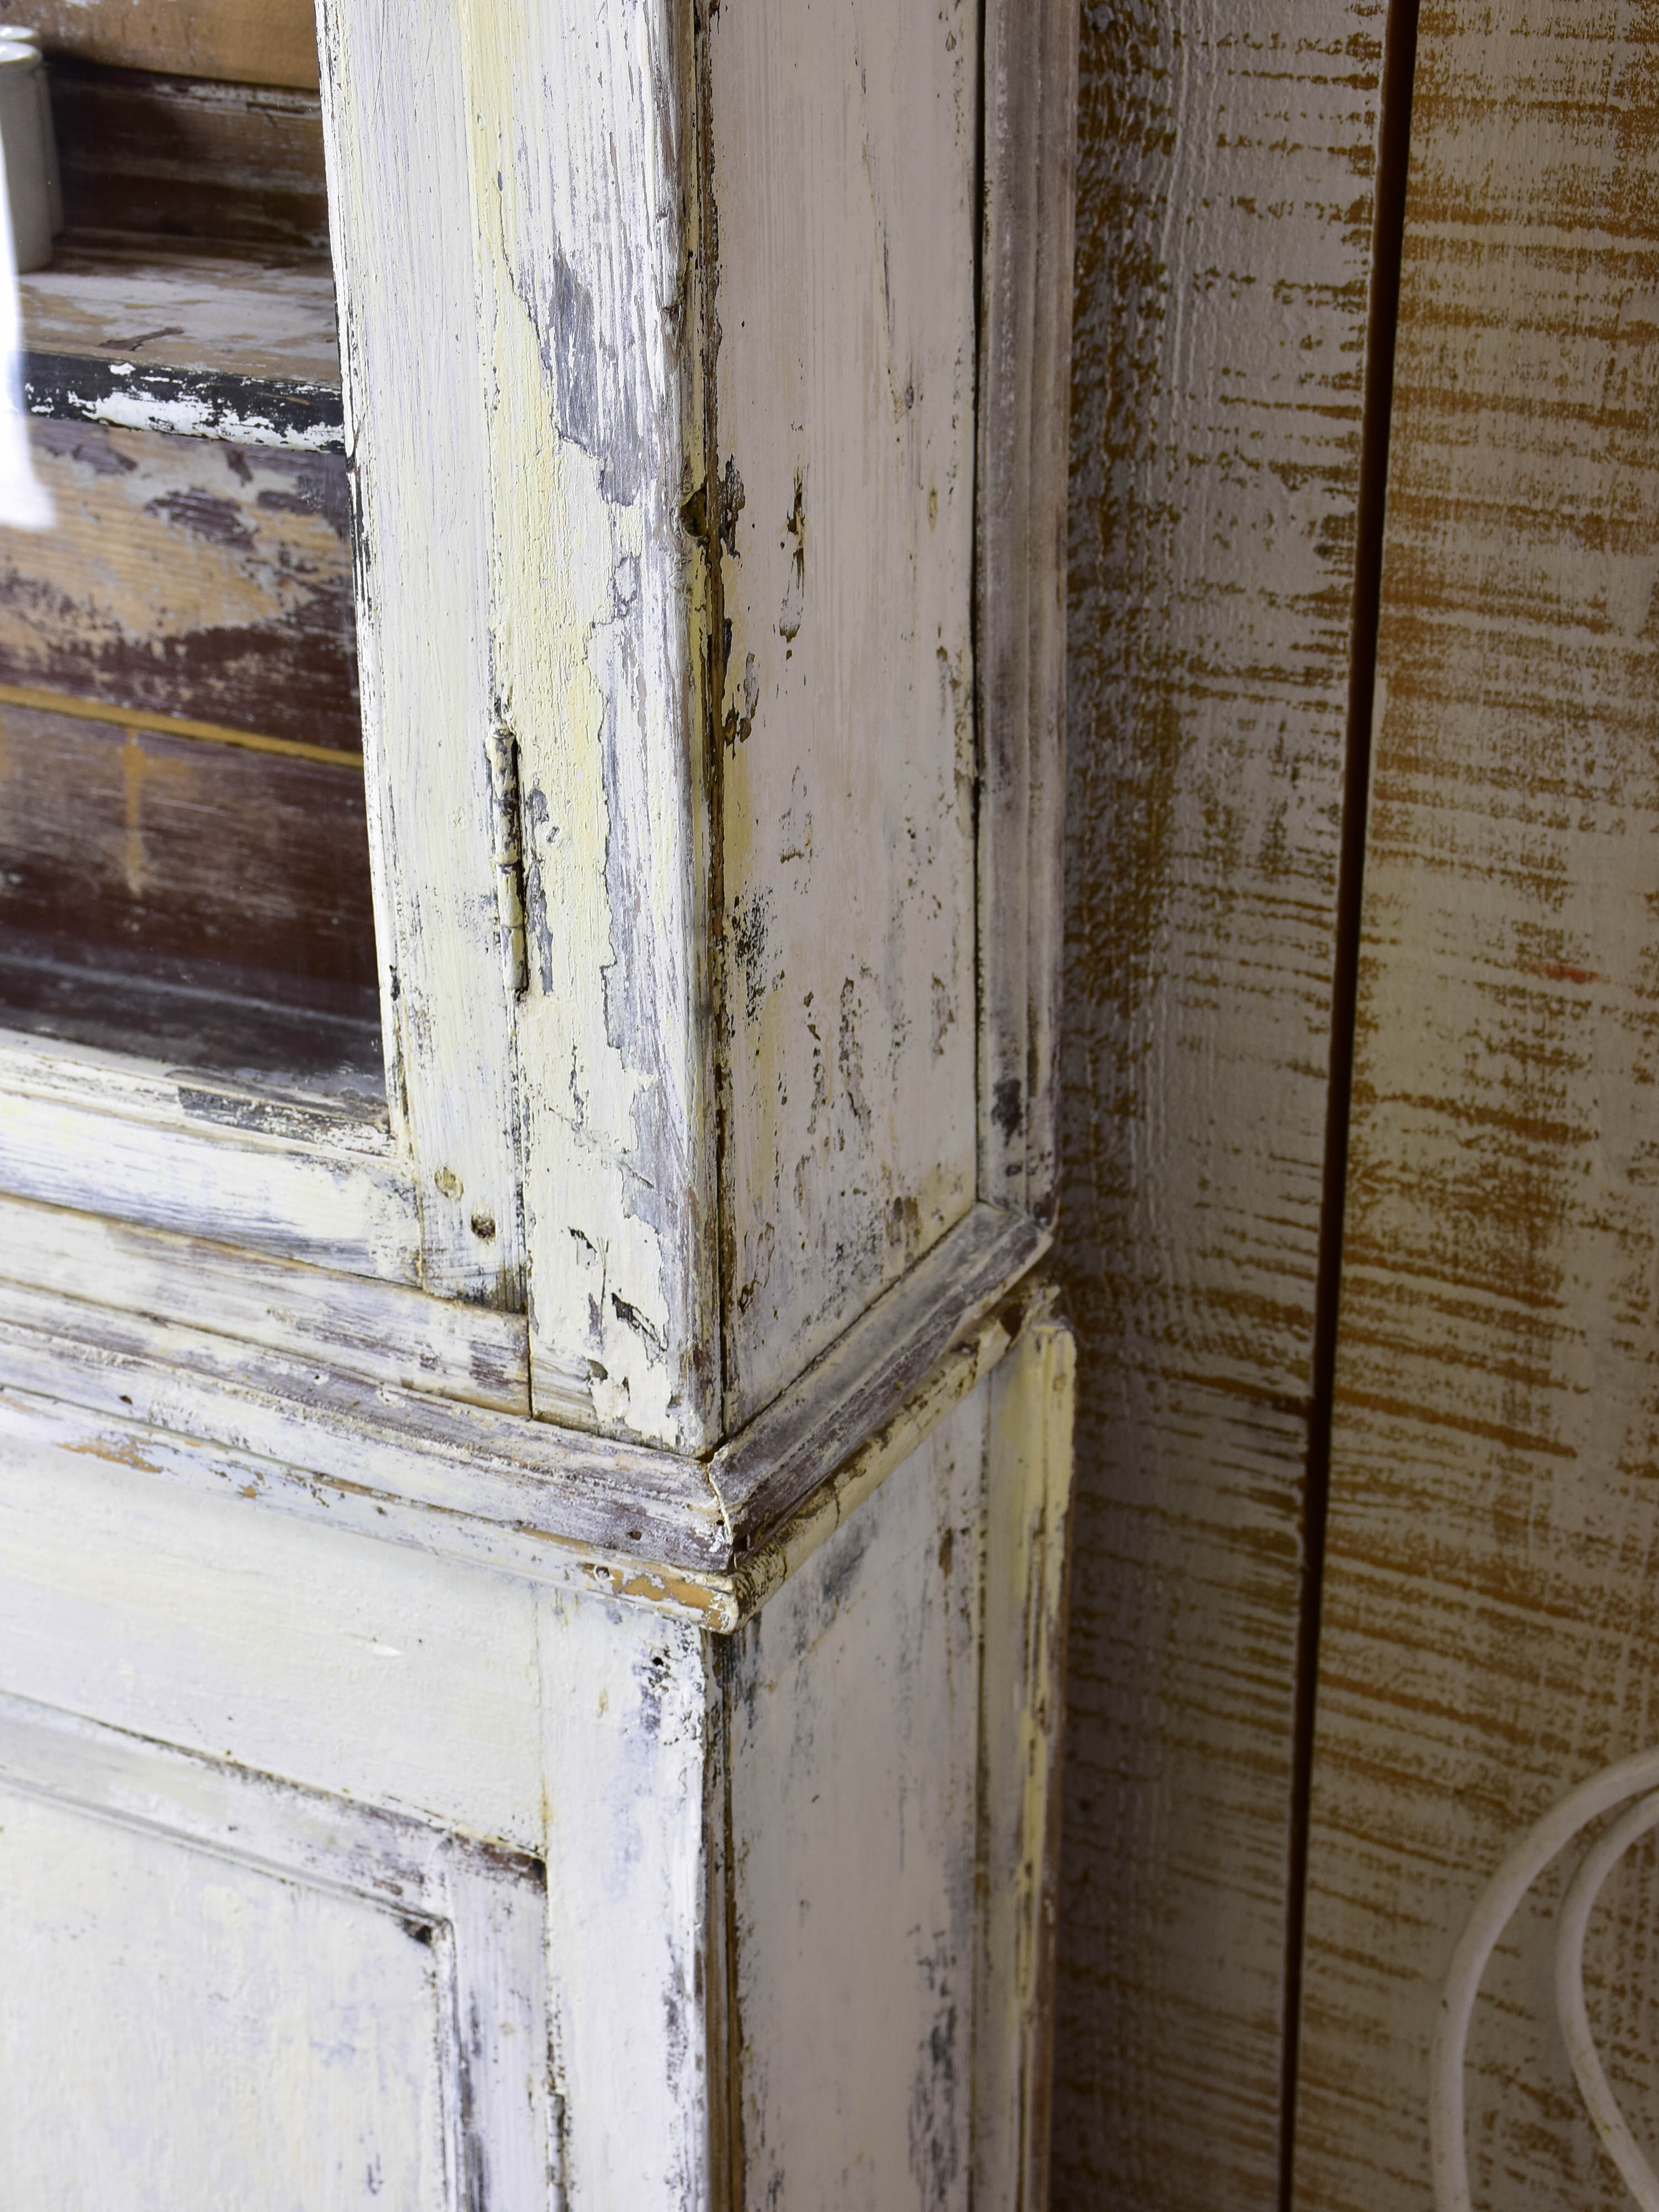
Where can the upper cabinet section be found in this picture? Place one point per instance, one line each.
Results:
(695, 458)
(661, 343)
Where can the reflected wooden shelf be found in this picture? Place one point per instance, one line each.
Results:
(157, 334)
(183, 863)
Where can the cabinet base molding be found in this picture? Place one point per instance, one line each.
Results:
(292, 1421)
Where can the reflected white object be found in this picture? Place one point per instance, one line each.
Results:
(34, 191)
(26, 130)
(1494, 1908)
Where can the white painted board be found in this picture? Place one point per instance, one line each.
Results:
(853, 1705)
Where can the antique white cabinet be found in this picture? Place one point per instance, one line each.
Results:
(530, 1600)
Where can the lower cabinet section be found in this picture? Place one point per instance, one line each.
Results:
(335, 1874)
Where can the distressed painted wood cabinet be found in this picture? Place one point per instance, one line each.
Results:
(530, 1596)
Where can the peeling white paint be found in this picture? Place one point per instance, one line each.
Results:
(189, 417)
(580, 157)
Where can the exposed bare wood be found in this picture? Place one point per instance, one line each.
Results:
(1224, 248)
(1490, 1634)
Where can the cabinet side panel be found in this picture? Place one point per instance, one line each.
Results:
(628, 1727)
(1491, 1618)
(1028, 1495)
(1026, 285)
(1223, 250)
(854, 1701)
(844, 152)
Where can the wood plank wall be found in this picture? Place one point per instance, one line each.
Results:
(1224, 250)
(1491, 1611)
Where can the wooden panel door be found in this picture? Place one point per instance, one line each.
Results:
(224, 1990)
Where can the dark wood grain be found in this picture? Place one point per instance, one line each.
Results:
(187, 577)
(188, 848)
(182, 157)
(1224, 247)
(183, 852)
(186, 899)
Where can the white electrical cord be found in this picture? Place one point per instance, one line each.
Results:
(1571, 1921)
(1494, 1908)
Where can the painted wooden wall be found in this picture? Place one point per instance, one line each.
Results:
(1223, 244)
(1491, 1629)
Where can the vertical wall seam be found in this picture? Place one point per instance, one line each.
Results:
(1388, 236)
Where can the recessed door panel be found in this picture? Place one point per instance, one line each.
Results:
(220, 1992)
(179, 2030)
